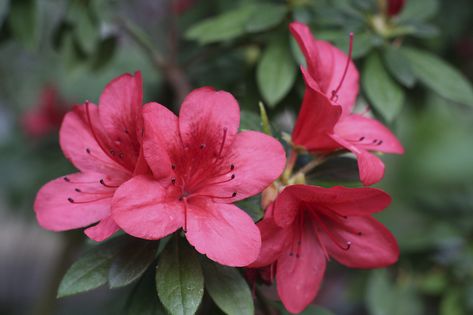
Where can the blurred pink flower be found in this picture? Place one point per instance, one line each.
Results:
(46, 116)
(200, 165)
(308, 224)
(104, 143)
(326, 122)
(395, 7)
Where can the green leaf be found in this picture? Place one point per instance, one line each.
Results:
(23, 22)
(85, 24)
(91, 270)
(418, 10)
(265, 17)
(4, 6)
(252, 206)
(451, 303)
(385, 95)
(399, 66)
(439, 76)
(228, 289)
(265, 120)
(249, 120)
(310, 310)
(276, 72)
(131, 262)
(222, 27)
(104, 53)
(143, 299)
(179, 278)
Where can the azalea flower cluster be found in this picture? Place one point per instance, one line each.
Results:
(150, 173)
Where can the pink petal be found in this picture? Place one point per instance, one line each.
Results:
(374, 135)
(103, 230)
(223, 232)
(326, 65)
(80, 145)
(258, 160)
(55, 212)
(316, 120)
(370, 167)
(273, 241)
(209, 117)
(144, 208)
(299, 278)
(120, 106)
(161, 138)
(345, 201)
(374, 247)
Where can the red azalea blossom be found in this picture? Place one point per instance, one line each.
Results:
(395, 7)
(46, 116)
(200, 165)
(325, 122)
(308, 224)
(104, 143)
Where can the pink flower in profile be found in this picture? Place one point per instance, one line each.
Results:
(306, 225)
(325, 122)
(104, 143)
(200, 165)
(46, 116)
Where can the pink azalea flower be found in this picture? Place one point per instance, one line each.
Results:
(325, 122)
(307, 225)
(200, 165)
(46, 116)
(104, 143)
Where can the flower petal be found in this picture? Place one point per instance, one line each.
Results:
(299, 278)
(223, 232)
(91, 202)
(273, 241)
(120, 107)
(370, 167)
(316, 120)
(368, 134)
(142, 207)
(80, 145)
(209, 117)
(326, 65)
(257, 161)
(161, 138)
(374, 247)
(103, 230)
(345, 201)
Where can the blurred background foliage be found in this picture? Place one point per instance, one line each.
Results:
(415, 67)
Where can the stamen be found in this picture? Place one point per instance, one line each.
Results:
(350, 51)
(202, 146)
(102, 182)
(67, 179)
(361, 139)
(211, 196)
(173, 166)
(173, 181)
(232, 167)
(223, 141)
(380, 142)
(185, 215)
(86, 201)
(223, 181)
(78, 190)
(87, 150)
(332, 236)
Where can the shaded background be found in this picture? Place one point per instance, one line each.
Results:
(54, 54)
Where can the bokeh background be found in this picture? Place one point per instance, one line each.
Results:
(54, 54)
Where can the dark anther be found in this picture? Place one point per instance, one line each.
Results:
(126, 131)
(232, 167)
(202, 146)
(87, 150)
(348, 245)
(78, 190)
(102, 182)
(233, 176)
(361, 139)
(70, 200)
(380, 142)
(173, 180)
(234, 194)
(112, 152)
(121, 155)
(375, 141)
(173, 166)
(181, 198)
(67, 179)
(359, 233)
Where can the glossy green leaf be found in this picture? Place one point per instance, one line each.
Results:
(310, 310)
(23, 22)
(104, 53)
(385, 94)
(399, 66)
(439, 76)
(418, 10)
(4, 7)
(228, 289)
(276, 72)
(91, 270)
(265, 17)
(222, 27)
(131, 262)
(452, 303)
(252, 206)
(179, 278)
(85, 24)
(249, 120)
